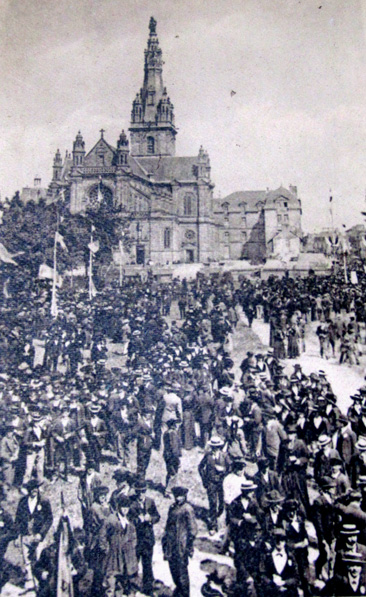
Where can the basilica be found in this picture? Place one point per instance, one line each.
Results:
(169, 199)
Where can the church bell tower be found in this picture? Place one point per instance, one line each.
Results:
(152, 119)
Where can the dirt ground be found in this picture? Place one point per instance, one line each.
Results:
(345, 380)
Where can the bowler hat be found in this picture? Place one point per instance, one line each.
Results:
(179, 491)
(102, 490)
(33, 484)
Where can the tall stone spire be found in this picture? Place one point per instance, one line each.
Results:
(152, 119)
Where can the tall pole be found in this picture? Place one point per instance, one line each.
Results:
(54, 281)
(345, 266)
(331, 211)
(91, 265)
(120, 261)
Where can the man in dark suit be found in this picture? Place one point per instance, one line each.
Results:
(265, 479)
(118, 541)
(213, 468)
(32, 522)
(243, 513)
(144, 514)
(279, 573)
(351, 582)
(172, 451)
(178, 539)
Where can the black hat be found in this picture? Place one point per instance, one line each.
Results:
(102, 490)
(121, 475)
(179, 490)
(140, 485)
(33, 484)
(291, 505)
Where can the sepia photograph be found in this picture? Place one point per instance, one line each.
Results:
(182, 298)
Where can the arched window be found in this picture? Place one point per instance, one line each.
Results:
(150, 145)
(188, 205)
(167, 238)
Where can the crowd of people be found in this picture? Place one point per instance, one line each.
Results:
(283, 469)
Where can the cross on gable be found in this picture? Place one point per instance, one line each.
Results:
(102, 131)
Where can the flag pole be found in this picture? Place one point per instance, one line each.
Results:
(90, 264)
(54, 295)
(331, 210)
(120, 262)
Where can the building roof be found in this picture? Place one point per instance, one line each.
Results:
(250, 198)
(285, 233)
(273, 196)
(161, 169)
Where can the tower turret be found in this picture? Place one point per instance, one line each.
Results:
(57, 166)
(78, 150)
(152, 118)
(122, 150)
(203, 165)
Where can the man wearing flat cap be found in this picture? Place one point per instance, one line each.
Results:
(178, 539)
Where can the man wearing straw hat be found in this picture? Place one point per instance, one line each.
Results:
(213, 468)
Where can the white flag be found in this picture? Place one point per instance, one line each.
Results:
(61, 241)
(46, 273)
(5, 288)
(354, 278)
(5, 256)
(94, 246)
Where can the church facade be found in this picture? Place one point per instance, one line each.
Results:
(168, 199)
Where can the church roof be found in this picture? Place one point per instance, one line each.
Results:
(162, 169)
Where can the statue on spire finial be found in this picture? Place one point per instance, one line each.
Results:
(152, 25)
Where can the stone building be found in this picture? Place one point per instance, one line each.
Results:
(254, 225)
(34, 193)
(169, 199)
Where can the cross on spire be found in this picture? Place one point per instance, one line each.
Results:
(102, 131)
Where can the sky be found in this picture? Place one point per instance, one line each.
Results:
(297, 69)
